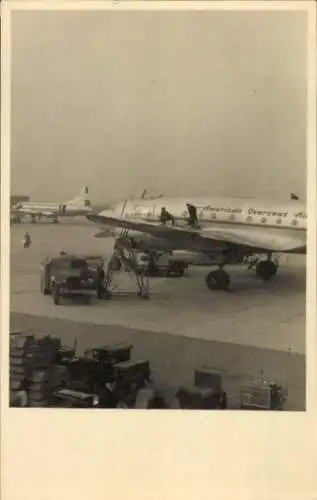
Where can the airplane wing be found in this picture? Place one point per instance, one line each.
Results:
(212, 238)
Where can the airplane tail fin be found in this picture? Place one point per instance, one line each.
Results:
(82, 200)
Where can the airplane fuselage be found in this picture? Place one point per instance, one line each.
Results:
(224, 226)
(212, 211)
(50, 209)
(244, 215)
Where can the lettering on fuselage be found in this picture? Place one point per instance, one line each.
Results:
(267, 213)
(226, 210)
(228, 214)
(300, 215)
(253, 215)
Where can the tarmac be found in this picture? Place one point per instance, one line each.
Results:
(258, 329)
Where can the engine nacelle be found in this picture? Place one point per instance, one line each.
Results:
(145, 242)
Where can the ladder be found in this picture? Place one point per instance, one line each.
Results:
(124, 259)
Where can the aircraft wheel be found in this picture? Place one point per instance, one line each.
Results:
(266, 270)
(218, 280)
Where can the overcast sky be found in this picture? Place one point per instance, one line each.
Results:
(199, 103)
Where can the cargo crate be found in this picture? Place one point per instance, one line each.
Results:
(112, 353)
(199, 398)
(132, 371)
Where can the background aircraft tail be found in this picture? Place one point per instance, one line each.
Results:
(82, 200)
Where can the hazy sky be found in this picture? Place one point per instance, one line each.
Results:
(196, 103)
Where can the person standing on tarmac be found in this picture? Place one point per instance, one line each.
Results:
(101, 276)
(27, 240)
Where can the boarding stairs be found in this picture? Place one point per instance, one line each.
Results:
(124, 259)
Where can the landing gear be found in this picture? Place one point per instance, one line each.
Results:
(124, 259)
(218, 280)
(266, 269)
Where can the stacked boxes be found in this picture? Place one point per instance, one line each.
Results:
(133, 372)
(205, 394)
(19, 348)
(31, 362)
(40, 366)
(112, 353)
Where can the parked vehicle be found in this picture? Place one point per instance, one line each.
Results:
(162, 264)
(68, 276)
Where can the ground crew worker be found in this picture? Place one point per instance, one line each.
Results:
(193, 218)
(101, 276)
(27, 240)
(166, 216)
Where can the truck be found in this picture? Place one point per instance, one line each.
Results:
(71, 276)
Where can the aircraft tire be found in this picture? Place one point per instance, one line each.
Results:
(218, 280)
(266, 270)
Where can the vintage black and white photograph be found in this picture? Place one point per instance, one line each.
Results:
(158, 209)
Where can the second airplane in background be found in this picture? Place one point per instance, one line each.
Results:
(80, 205)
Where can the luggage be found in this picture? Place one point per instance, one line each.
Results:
(111, 353)
(31, 361)
(132, 372)
(198, 398)
(208, 378)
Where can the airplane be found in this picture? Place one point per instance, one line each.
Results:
(227, 227)
(80, 205)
